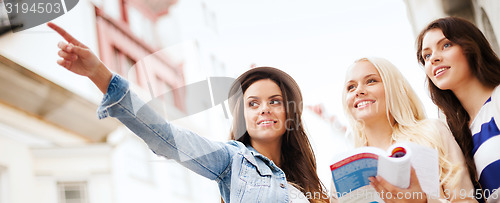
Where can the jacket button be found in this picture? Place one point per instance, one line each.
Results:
(282, 185)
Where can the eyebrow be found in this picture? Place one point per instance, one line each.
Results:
(367, 76)
(256, 97)
(438, 42)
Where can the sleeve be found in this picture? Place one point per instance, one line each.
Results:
(207, 158)
(495, 99)
(458, 186)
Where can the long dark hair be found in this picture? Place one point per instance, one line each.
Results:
(484, 65)
(297, 157)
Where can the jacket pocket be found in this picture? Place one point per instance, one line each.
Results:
(253, 186)
(250, 175)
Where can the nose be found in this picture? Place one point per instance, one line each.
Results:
(360, 90)
(265, 109)
(435, 57)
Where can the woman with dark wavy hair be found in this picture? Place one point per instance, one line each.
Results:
(292, 151)
(463, 74)
(269, 159)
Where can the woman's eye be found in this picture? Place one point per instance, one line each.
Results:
(350, 88)
(275, 102)
(370, 81)
(252, 104)
(447, 45)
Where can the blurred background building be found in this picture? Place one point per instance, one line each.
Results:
(53, 148)
(483, 13)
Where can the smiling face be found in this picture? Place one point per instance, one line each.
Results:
(445, 62)
(264, 111)
(365, 94)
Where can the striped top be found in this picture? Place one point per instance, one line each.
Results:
(485, 134)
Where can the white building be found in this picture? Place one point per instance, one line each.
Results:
(483, 13)
(52, 146)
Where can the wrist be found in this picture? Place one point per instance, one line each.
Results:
(101, 78)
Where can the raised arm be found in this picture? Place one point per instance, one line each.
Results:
(77, 58)
(205, 157)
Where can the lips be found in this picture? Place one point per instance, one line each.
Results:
(439, 70)
(363, 103)
(266, 122)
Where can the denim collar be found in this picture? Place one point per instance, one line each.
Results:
(265, 166)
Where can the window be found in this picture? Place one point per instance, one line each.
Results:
(125, 66)
(130, 69)
(72, 192)
(164, 91)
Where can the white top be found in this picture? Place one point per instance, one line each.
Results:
(296, 196)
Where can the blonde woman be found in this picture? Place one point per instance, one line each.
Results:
(383, 109)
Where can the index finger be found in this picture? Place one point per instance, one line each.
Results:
(64, 34)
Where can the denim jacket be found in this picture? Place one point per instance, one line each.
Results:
(242, 174)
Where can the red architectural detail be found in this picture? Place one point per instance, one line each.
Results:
(152, 8)
(153, 67)
(317, 109)
(123, 11)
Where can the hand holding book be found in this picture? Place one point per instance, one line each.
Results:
(388, 192)
(353, 173)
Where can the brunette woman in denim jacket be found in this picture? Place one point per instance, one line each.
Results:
(269, 158)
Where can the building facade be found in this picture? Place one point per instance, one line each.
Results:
(483, 13)
(52, 146)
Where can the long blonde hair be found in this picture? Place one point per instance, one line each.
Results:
(410, 123)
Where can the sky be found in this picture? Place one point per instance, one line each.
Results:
(316, 41)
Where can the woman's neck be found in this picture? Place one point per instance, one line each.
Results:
(379, 134)
(472, 96)
(271, 150)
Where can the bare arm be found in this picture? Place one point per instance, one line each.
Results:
(77, 58)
